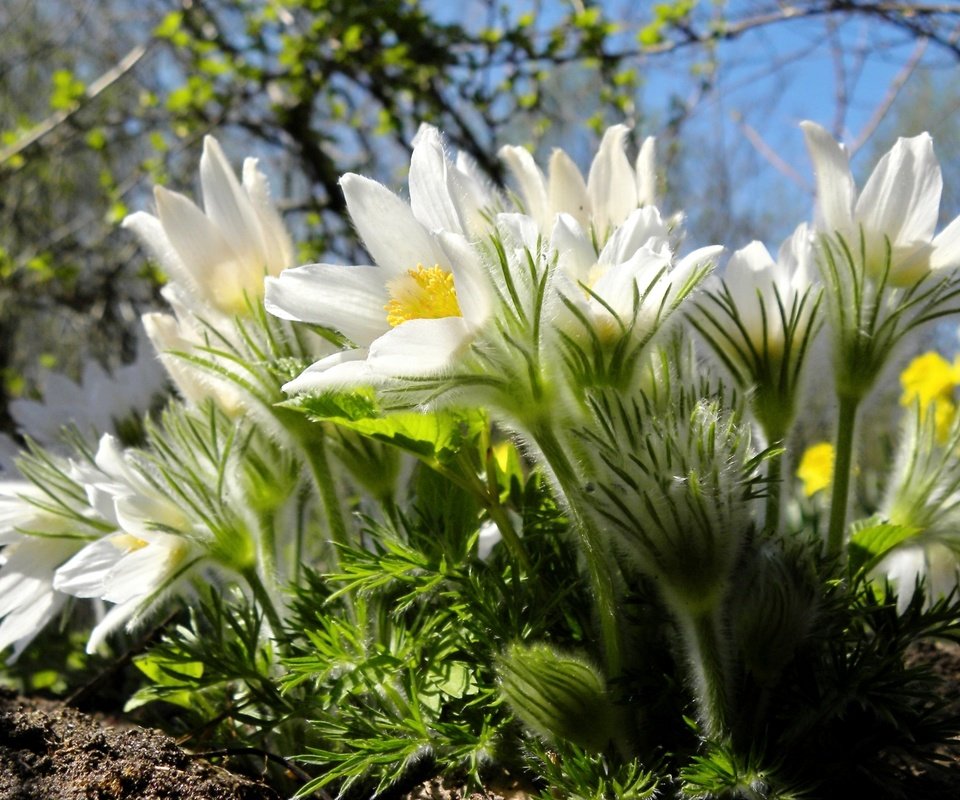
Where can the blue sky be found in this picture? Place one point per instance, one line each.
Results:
(835, 71)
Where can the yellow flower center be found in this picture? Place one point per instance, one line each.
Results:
(816, 468)
(423, 293)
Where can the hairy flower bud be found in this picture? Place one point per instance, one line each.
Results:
(557, 696)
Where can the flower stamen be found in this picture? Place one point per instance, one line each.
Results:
(423, 293)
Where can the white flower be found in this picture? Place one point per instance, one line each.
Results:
(96, 404)
(931, 561)
(221, 254)
(144, 560)
(612, 191)
(28, 599)
(417, 310)
(759, 287)
(632, 284)
(177, 336)
(900, 203)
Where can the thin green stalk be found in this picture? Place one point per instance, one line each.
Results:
(510, 537)
(710, 669)
(842, 471)
(599, 567)
(315, 449)
(774, 488)
(263, 598)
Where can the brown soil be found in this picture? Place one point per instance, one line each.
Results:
(49, 751)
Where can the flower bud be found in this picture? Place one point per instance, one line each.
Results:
(557, 696)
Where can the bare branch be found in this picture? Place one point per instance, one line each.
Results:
(891, 94)
(96, 88)
(769, 153)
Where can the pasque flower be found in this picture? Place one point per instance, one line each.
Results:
(416, 309)
(759, 320)
(613, 189)
(629, 288)
(217, 256)
(899, 207)
(135, 566)
(35, 543)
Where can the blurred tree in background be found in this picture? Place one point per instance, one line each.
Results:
(99, 101)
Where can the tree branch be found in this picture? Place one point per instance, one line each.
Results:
(96, 88)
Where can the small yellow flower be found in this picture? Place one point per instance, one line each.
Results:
(931, 380)
(927, 378)
(816, 468)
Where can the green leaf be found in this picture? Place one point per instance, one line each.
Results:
(872, 540)
(67, 90)
(435, 437)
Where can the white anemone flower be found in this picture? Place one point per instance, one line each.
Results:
(94, 405)
(634, 281)
(613, 189)
(759, 287)
(900, 203)
(140, 563)
(218, 255)
(932, 562)
(421, 305)
(35, 544)
(177, 336)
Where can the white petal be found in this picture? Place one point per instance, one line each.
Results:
(835, 187)
(433, 183)
(420, 347)
(611, 183)
(519, 230)
(21, 626)
(86, 573)
(946, 247)
(642, 225)
(575, 252)
(531, 180)
(474, 293)
(139, 514)
(149, 230)
(350, 300)
(276, 239)
(647, 173)
(390, 232)
(567, 190)
(205, 253)
(113, 619)
(902, 196)
(340, 370)
(227, 205)
(141, 572)
(163, 330)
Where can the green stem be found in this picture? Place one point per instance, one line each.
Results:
(842, 471)
(709, 664)
(599, 567)
(266, 602)
(312, 438)
(774, 488)
(510, 538)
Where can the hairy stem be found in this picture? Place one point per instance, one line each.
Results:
(842, 471)
(708, 663)
(599, 567)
